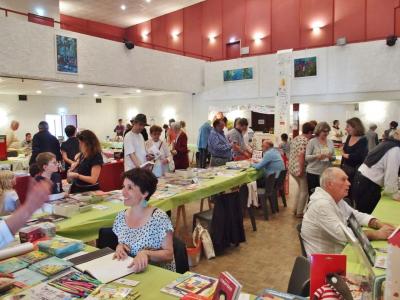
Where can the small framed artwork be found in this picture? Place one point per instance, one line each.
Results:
(67, 54)
(305, 67)
(238, 74)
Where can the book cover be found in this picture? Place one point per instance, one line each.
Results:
(228, 288)
(28, 277)
(33, 257)
(44, 291)
(321, 265)
(61, 247)
(51, 266)
(12, 265)
(191, 283)
(269, 294)
(112, 291)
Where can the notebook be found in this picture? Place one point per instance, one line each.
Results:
(105, 268)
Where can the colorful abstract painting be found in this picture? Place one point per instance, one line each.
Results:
(304, 67)
(238, 74)
(67, 54)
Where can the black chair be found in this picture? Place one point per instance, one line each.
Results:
(299, 282)
(107, 238)
(205, 216)
(280, 188)
(303, 250)
(267, 192)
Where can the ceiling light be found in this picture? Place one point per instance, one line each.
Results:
(39, 11)
(80, 85)
(123, 6)
(138, 91)
(95, 95)
(38, 92)
(148, 1)
(232, 40)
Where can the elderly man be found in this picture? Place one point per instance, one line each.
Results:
(218, 145)
(12, 140)
(321, 231)
(272, 160)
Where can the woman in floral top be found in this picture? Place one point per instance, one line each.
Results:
(297, 166)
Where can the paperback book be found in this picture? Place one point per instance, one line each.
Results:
(34, 256)
(28, 277)
(51, 266)
(12, 265)
(228, 287)
(61, 247)
(191, 283)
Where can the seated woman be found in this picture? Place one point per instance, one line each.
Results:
(143, 232)
(48, 168)
(8, 197)
(85, 171)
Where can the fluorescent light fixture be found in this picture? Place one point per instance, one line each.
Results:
(123, 6)
(138, 91)
(81, 86)
(38, 92)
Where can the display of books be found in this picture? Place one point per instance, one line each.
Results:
(191, 283)
(44, 291)
(51, 266)
(228, 287)
(269, 294)
(12, 265)
(76, 283)
(111, 291)
(28, 277)
(34, 256)
(60, 247)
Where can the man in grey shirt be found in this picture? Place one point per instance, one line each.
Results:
(235, 137)
(372, 137)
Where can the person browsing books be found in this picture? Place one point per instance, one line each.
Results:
(48, 167)
(143, 232)
(134, 147)
(158, 151)
(321, 230)
(272, 160)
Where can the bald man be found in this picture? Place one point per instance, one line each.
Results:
(12, 140)
(321, 231)
(272, 160)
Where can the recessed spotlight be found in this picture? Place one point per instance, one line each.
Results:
(95, 95)
(148, 1)
(123, 6)
(81, 86)
(38, 92)
(138, 91)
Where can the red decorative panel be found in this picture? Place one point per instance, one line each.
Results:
(192, 40)
(158, 33)
(350, 20)
(380, 18)
(285, 30)
(40, 20)
(174, 30)
(258, 25)
(212, 29)
(233, 20)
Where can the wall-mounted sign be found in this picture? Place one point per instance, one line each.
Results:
(238, 74)
(261, 122)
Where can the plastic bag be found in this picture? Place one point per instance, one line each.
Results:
(202, 234)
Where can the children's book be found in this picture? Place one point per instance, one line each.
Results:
(51, 266)
(28, 277)
(228, 287)
(112, 291)
(33, 257)
(191, 283)
(269, 294)
(12, 265)
(44, 291)
(60, 246)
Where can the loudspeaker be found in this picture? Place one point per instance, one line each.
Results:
(22, 97)
(98, 100)
(391, 40)
(129, 45)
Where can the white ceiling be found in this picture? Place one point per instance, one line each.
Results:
(13, 86)
(109, 11)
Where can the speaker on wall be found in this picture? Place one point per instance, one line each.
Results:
(391, 40)
(98, 100)
(22, 97)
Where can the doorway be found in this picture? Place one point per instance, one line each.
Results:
(262, 122)
(57, 123)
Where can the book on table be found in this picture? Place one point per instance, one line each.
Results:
(12, 265)
(228, 287)
(28, 277)
(60, 246)
(34, 256)
(51, 266)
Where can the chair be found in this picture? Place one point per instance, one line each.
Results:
(303, 250)
(205, 216)
(280, 188)
(267, 192)
(107, 238)
(299, 282)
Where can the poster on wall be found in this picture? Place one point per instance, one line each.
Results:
(67, 54)
(238, 74)
(305, 67)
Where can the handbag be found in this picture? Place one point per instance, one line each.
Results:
(202, 233)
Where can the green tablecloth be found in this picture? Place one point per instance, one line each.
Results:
(388, 211)
(85, 226)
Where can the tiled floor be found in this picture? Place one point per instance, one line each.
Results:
(266, 259)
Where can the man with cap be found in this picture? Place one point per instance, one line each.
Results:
(379, 170)
(134, 147)
(44, 141)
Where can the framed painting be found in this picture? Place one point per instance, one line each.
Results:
(238, 74)
(67, 54)
(305, 67)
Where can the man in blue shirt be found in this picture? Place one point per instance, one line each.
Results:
(272, 160)
(218, 145)
(202, 143)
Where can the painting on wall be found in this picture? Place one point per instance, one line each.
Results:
(238, 74)
(67, 54)
(305, 67)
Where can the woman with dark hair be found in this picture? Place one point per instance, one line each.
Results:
(85, 172)
(143, 232)
(355, 149)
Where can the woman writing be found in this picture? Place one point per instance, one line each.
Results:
(143, 232)
(85, 171)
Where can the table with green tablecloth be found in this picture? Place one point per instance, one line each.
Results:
(388, 211)
(85, 226)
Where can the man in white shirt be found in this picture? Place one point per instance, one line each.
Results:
(321, 230)
(134, 146)
(37, 194)
(379, 170)
(12, 140)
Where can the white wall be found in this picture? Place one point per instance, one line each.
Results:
(28, 50)
(99, 117)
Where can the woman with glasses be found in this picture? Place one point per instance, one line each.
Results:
(49, 168)
(85, 171)
(320, 153)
